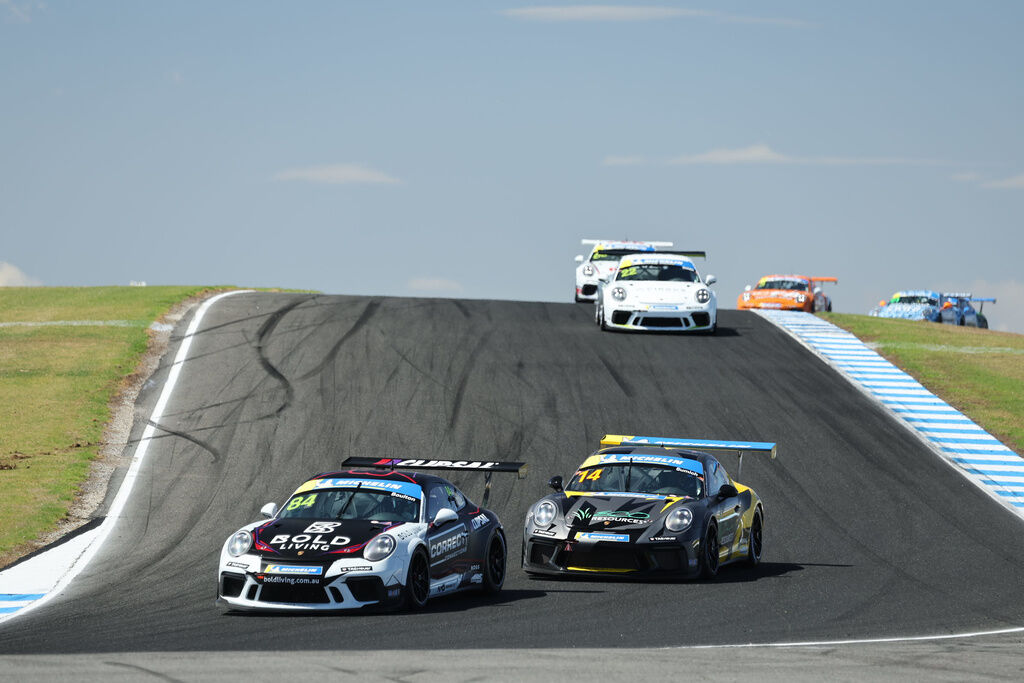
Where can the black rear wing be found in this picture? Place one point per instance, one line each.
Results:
(488, 467)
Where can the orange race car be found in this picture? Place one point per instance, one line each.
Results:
(788, 292)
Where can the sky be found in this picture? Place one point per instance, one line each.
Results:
(463, 148)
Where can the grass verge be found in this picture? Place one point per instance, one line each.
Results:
(978, 372)
(58, 380)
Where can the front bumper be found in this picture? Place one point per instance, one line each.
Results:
(776, 305)
(665, 559)
(586, 291)
(661, 318)
(365, 584)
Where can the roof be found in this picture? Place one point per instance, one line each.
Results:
(409, 483)
(916, 292)
(650, 455)
(658, 259)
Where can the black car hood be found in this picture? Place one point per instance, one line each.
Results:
(309, 539)
(595, 512)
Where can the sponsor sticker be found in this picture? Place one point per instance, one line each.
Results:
(290, 580)
(239, 565)
(294, 569)
(407, 487)
(543, 532)
(663, 538)
(480, 520)
(448, 545)
(359, 568)
(594, 537)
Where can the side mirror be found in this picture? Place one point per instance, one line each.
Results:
(555, 482)
(727, 491)
(443, 516)
(882, 303)
(710, 280)
(579, 258)
(269, 510)
(747, 288)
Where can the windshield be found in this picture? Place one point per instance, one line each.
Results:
(638, 478)
(782, 283)
(384, 506)
(657, 272)
(914, 300)
(613, 254)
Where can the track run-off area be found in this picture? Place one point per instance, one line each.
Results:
(868, 533)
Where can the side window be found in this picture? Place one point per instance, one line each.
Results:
(437, 498)
(459, 500)
(717, 480)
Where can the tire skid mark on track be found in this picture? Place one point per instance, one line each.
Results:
(262, 341)
(460, 387)
(214, 453)
(369, 310)
(617, 376)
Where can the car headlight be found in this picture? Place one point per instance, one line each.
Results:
(380, 547)
(679, 520)
(619, 294)
(588, 270)
(800, 298)
(240, 543)
(544, 513)
(703, 296)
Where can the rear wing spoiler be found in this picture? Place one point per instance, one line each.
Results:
(968, 296)
(688, 254)
(705, 445)
(653, 244)
(824, 279)
(488, 467)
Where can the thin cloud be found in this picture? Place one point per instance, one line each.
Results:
(21, 12)
(12, 276)
(1013, 183)
(433, 284)
(626, 13)
(763, 154)
(337, 174)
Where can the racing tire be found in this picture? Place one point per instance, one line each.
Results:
(417, 581)
(494, 563)
(982, 322)
(755, 542)
(597, 313)
(709, 549)
(829, 309)
(601, 322)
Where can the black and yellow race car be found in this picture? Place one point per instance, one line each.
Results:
(648, 507)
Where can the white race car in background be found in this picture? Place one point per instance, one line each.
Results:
(602, 262)
(658, 291)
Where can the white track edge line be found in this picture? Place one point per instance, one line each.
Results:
(969, 476)
(861, 641)
(120, 500)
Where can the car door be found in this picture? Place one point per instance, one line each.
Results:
(727, 511)
(447, 543)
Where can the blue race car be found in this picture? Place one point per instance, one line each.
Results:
(952, 308)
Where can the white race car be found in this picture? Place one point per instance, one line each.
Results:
(602, 262)
(657, 292)
(361, 538)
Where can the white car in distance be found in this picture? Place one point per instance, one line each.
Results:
(603, 261)
(660, 292)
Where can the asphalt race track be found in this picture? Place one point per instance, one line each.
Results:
(868, 534)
